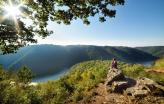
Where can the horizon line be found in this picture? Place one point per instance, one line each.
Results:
(99, 45)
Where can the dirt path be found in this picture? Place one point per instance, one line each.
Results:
(102, 97)
(156, 71)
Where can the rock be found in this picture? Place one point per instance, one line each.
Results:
(140, 93)
(131, 81)
(133, 91)
(144, 87)
(119, 86)
(114, 75)
(116, 82)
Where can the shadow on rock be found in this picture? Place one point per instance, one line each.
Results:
(116, 82)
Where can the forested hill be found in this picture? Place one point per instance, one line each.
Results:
(49, 59)
(157, 51)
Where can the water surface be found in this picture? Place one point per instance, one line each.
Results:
(51, 77)
(64, 71)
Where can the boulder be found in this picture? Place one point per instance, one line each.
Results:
(119, 86)
(116, 82)
(136, 92)
(144, 87)
(114, 75)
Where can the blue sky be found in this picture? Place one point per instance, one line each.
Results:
(137, 23)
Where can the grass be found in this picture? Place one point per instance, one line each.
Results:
(74, 86)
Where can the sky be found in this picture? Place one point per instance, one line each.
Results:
(137, 23)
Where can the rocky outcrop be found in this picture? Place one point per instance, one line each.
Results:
(144, 87)
(114, 75)
(116, 82)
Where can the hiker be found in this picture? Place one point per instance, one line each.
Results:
(114, 64)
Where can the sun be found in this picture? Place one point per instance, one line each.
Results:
(12, 10)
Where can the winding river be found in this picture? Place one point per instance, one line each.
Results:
(64, 71)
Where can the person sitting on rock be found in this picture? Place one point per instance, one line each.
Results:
(114, 64)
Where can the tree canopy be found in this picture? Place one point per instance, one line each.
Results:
(15, 32)
(25, 75)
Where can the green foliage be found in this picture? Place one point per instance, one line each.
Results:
(72, 87)
(34, 95)
(75, 85)
(159, 64)
(158, 77)
(14, 32)
(24, 75)
(137, 70)
(60, 57)
(2, 74)
(12, 93)
(157, 51)
(132, 70)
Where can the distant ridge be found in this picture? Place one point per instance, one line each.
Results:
(50, 59)
(157, 51)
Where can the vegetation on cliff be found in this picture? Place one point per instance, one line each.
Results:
(74, 86)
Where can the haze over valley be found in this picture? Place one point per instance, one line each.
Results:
(47, 60)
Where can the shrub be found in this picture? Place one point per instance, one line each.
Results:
(24, 75)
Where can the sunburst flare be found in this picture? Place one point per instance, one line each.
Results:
(12, 11)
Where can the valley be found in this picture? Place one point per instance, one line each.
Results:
(48, 60)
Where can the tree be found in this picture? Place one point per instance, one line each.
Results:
(2, 73)
(15, 33)
(24, 75)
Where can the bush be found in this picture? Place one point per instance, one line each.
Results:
(133, 70)
(76, 85)
(24, 75)
(159, 64)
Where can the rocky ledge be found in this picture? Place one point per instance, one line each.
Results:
(116, 82)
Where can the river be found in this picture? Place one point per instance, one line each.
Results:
(61, 73)
(146, 63)
(51, 77)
